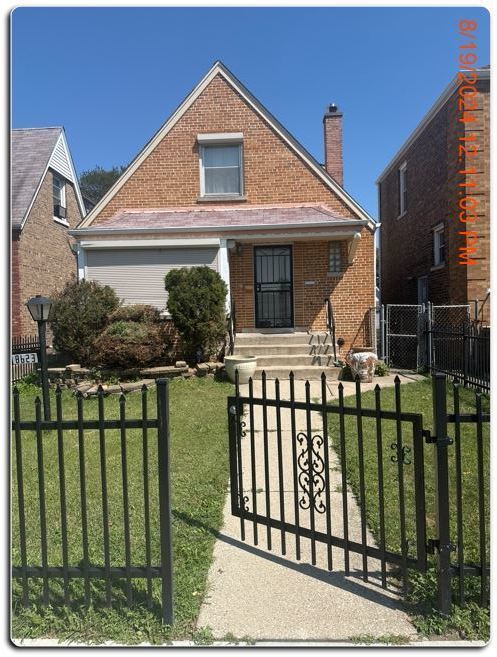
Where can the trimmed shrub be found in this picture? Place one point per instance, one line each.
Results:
(135, 313)
(125, 344)
(79, 314)
(381, 369)
(197, 298)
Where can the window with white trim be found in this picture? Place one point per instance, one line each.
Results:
(335, 258)
(402, 189)
(439, 245)
(59, 197)
(221, 167)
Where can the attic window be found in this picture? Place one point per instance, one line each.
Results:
(221, 165)
(59, 197)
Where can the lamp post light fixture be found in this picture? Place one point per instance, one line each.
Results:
(39, 308)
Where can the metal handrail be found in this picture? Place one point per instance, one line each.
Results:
(330, 321)
(232, 327)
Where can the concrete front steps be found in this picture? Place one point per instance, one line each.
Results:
(307, 355)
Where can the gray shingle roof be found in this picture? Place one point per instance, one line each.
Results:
(31, 149)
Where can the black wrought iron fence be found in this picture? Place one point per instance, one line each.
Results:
(22, 364)
(462, 446)
(81, 501)
(461, 352)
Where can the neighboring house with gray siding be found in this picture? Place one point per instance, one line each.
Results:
(45, 203)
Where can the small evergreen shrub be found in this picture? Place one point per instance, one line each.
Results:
(130, 344)
(135, 313)
(197, 303)
(381, 369)
(79, 314)
(135, 336)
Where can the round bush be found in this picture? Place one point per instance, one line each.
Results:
(135, 313)
(129, 344)
(79, 314)
(197, 298)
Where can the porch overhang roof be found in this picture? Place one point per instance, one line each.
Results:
(222, 220)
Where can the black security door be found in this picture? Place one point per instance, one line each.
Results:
(273, 287)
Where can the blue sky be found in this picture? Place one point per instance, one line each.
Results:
(114, 75)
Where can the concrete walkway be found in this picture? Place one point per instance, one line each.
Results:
(263, 594)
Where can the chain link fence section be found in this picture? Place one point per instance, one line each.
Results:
(445, 342)
(402, 336)
(449, 316)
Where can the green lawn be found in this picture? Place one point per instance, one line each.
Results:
(470, 621)
(199, 476)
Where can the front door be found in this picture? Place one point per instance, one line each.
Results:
(273, 287)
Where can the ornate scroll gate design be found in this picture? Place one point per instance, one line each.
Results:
(287, 479)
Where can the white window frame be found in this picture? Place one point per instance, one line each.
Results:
(221, 139)
(335, 244)
(422, 282)
(439, 231)
(402, 189)
(63, 204)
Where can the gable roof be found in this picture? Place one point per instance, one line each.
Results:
(219, 69)
(33, 151)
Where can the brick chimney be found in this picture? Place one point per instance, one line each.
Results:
(333, 151)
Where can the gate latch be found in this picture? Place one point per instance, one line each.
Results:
(433, 546)
(431, 440)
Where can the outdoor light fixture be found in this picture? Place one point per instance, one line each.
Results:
(39, 308)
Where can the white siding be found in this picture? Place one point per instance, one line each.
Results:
(59, 160)
(137, 275)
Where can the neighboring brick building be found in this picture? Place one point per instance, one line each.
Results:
(223, 183)
(419, 195)
(45, 203)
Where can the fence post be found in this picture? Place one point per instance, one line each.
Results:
(465, 343)
(382, 331)
(386, 344)
(163, 458)
(232, 450)
(442, 492)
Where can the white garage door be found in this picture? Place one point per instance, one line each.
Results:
(137, 275)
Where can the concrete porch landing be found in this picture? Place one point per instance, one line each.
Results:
(259, 594)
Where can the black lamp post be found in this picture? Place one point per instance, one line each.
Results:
(39, 308)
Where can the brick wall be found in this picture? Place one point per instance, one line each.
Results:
(433, 191)
(333, 146)
(42, 253)
(15, 286)
(351, 294)
(407, 242)
(478, 275)
(170, 174)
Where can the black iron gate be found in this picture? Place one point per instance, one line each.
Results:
(304, 470)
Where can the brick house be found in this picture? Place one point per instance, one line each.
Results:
(224, 184)
(419, 193)
(45, 203)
